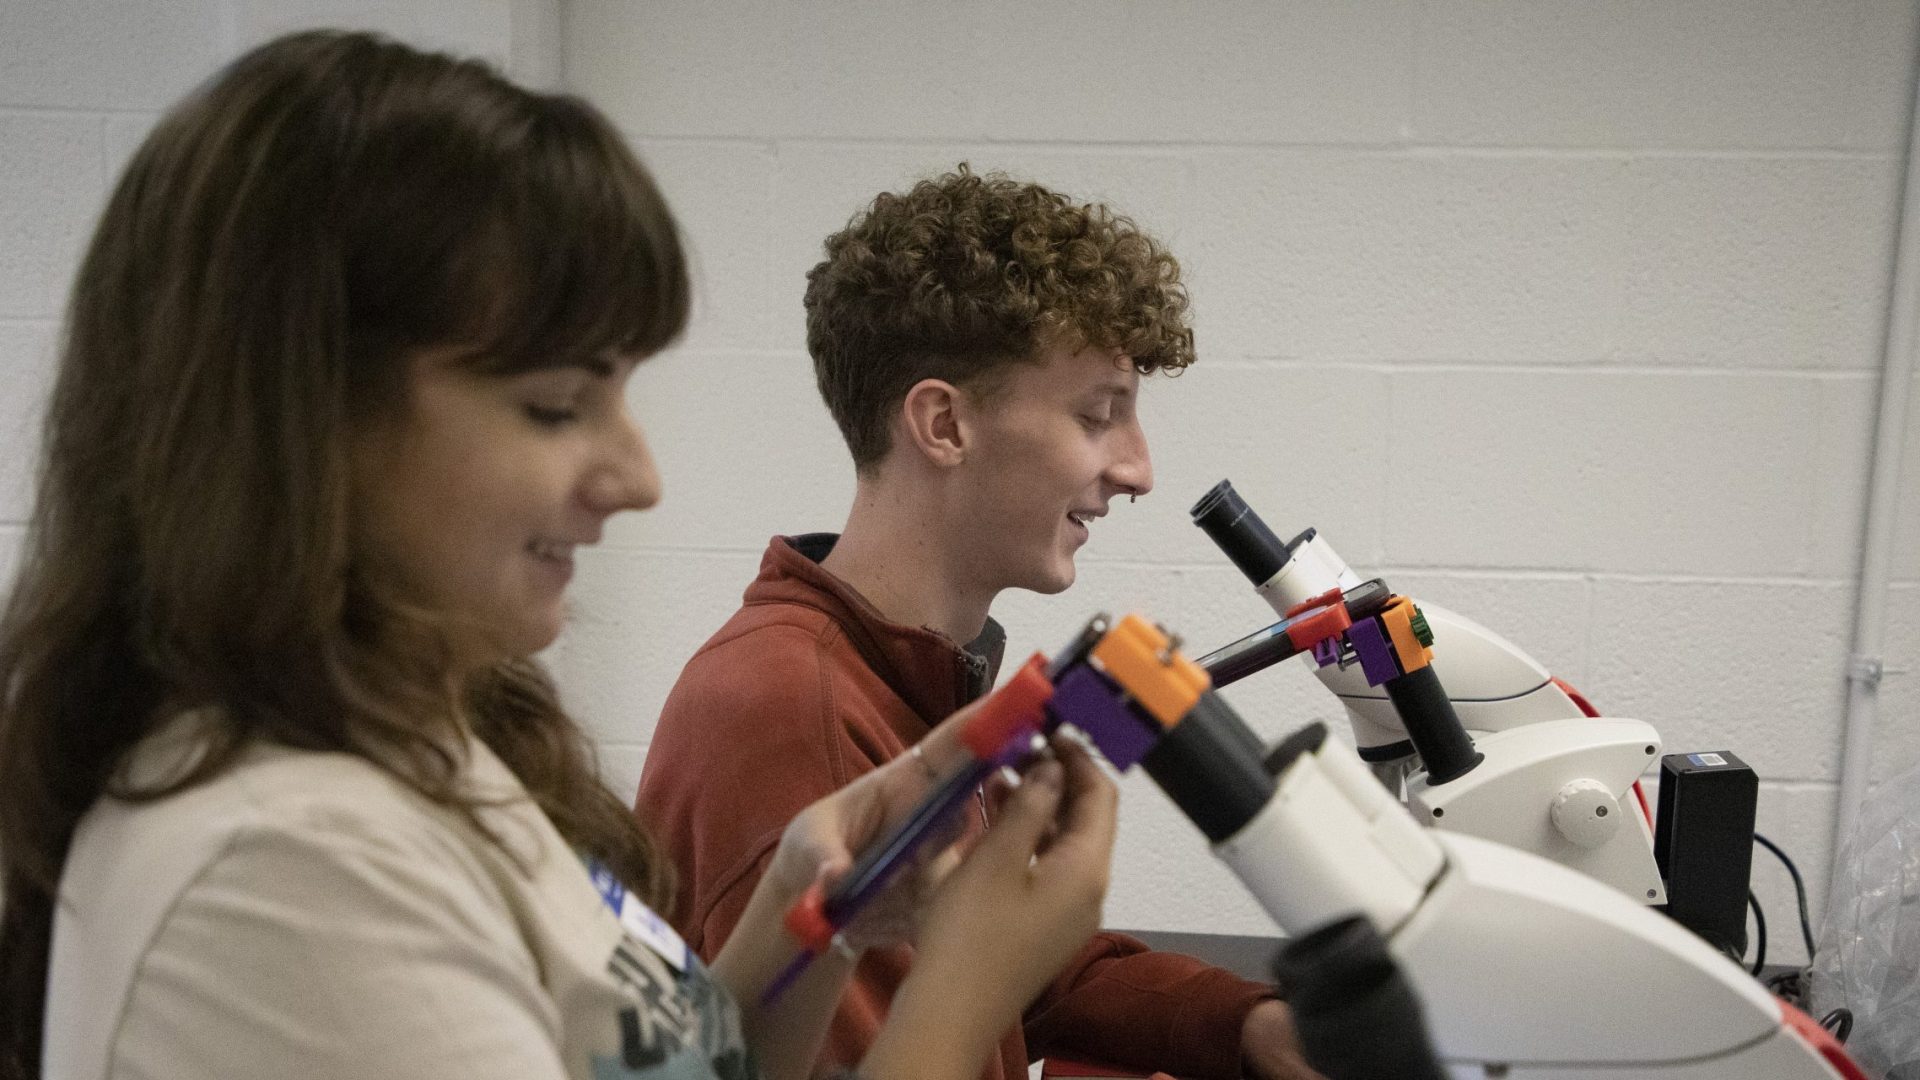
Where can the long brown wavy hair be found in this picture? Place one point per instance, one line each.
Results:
(326, 205)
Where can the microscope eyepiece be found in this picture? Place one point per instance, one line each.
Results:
(1357, 1016)
(1239, 532)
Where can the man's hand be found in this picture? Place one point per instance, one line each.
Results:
(1270, 1048)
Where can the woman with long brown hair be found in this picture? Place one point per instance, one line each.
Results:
(282, 792)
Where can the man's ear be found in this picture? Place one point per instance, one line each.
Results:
(931, 415)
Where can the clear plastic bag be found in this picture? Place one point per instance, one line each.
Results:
(1868, 957)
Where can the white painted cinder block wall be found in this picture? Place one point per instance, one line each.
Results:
(1564, 315)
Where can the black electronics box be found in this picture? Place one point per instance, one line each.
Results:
(1703, 842)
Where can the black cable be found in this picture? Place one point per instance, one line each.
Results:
(1789, 985)
(1840, 1022)
(1799, 890)
(1760, 937)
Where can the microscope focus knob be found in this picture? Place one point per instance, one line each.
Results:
(1586, 813)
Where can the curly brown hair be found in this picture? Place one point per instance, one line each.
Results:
(966, 274)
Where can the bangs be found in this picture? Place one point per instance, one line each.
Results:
(587, 261)
(515, 227)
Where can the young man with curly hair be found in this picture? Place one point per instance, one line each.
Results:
(980, 342)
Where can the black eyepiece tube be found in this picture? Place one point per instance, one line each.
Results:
(1210, 765)
(1435, 729)
(1356, 1014)
(1239, 532)
(1254, 653)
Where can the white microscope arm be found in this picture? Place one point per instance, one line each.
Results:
(1494, 685)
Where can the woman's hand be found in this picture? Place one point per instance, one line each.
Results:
(818, 847)
(821, 844)
(1004, 923)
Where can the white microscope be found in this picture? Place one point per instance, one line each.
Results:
(1552, 777)
(1529, 970)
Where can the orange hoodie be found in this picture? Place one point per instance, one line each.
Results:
(808, 687)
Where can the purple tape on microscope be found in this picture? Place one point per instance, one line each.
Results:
(1085, 699)
(1326, 651)
(1376, 659)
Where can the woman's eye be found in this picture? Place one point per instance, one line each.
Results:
(550, 416)
(1095, 423)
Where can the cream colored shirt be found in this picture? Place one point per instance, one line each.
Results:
(305, 915)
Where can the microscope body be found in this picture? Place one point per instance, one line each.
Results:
(1555, 780)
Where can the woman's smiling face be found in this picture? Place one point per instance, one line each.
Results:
(476, 496)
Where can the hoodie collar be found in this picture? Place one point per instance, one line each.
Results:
(929, 671)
